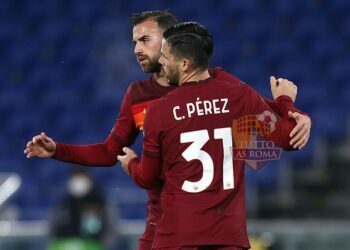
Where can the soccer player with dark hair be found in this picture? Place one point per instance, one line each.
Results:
(188, 143)
(148, 28)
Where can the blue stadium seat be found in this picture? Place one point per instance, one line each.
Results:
(240, 5)
(5, 7)
(55, 30)
(340, 5)
(338, 71)
(267, 177)
(311, 26)
(329, 120)
(286, 6)
(280, 49)
(23, 51)
(10, 29)
(310, 91)
(328, 48)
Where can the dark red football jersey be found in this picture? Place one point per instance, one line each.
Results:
(138, 97)
(190, 130)
(129, 122)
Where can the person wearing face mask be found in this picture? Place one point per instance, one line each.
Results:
(81, 218)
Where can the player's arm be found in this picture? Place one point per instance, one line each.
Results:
(301, 131)
(100, 154)
(147, 171)
(282, 91)
(220, 74)
(286, 89)
(279, 133)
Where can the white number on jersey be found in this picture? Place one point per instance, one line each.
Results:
(194, 152)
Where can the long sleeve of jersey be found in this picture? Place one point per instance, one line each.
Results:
(99, 154)
(105, 153)
(145, 173)
(284, 104)
(281, 127)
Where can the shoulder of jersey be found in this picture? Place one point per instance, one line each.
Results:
(140, 83)
(137, 89)
(227, 83)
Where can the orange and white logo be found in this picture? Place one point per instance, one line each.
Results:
(249, 133)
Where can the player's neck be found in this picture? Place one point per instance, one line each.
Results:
(161, 79)
(194, 76)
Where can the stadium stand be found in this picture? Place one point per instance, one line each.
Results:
(65, 66)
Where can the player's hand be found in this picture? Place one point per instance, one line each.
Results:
(301, 132)
(283, 87)
(40, 146)
(124, 159)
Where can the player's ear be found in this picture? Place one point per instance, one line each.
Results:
(186, 64)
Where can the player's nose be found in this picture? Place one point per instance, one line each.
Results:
(137, 49)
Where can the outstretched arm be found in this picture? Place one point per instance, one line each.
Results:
(101, 154)
(40, 146)
(105, 153)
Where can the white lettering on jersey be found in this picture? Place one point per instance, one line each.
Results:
(201, 107)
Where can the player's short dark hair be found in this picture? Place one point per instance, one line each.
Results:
(195, 28)
(164, 18)
(196, 45)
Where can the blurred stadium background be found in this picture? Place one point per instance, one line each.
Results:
(65, 66)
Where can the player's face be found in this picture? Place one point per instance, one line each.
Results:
(147, 37)
(170, 65)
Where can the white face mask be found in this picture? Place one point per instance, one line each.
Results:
(79, 186)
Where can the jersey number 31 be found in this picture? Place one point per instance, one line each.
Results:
(194, 152)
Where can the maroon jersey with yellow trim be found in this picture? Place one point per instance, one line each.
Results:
(138, 97)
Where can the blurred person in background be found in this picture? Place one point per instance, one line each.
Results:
(83, 219)
(148, 28)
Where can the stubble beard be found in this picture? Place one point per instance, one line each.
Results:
(152, 67)
(173, 77)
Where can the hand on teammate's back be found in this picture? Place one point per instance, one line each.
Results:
(40, 146)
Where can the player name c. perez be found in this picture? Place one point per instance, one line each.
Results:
(200, 108)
